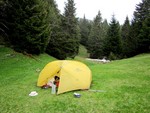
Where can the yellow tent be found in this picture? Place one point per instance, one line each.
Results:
(73, 75)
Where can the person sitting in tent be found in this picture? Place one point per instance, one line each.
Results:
(56, 81)
(55, 85)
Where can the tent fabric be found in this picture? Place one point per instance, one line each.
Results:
(73, 75)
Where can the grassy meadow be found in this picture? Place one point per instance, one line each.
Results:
(121, 86)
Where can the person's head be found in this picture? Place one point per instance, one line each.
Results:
(56, 78)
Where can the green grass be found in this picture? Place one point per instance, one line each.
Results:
(126, 86)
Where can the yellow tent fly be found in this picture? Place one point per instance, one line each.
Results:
(73, 75)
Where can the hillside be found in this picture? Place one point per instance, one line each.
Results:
(118, 86)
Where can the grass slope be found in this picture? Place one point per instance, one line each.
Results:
(125, 84)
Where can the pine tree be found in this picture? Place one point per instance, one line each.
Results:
(125, 37)
(85, 30)
(142, 11)
(29, 28)
(55, 45)
(70, 30)
(139, 28)
(3, 27)
(65, 35)
(96, 37)
(113, 45)
(144, 36)
(105, 28)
